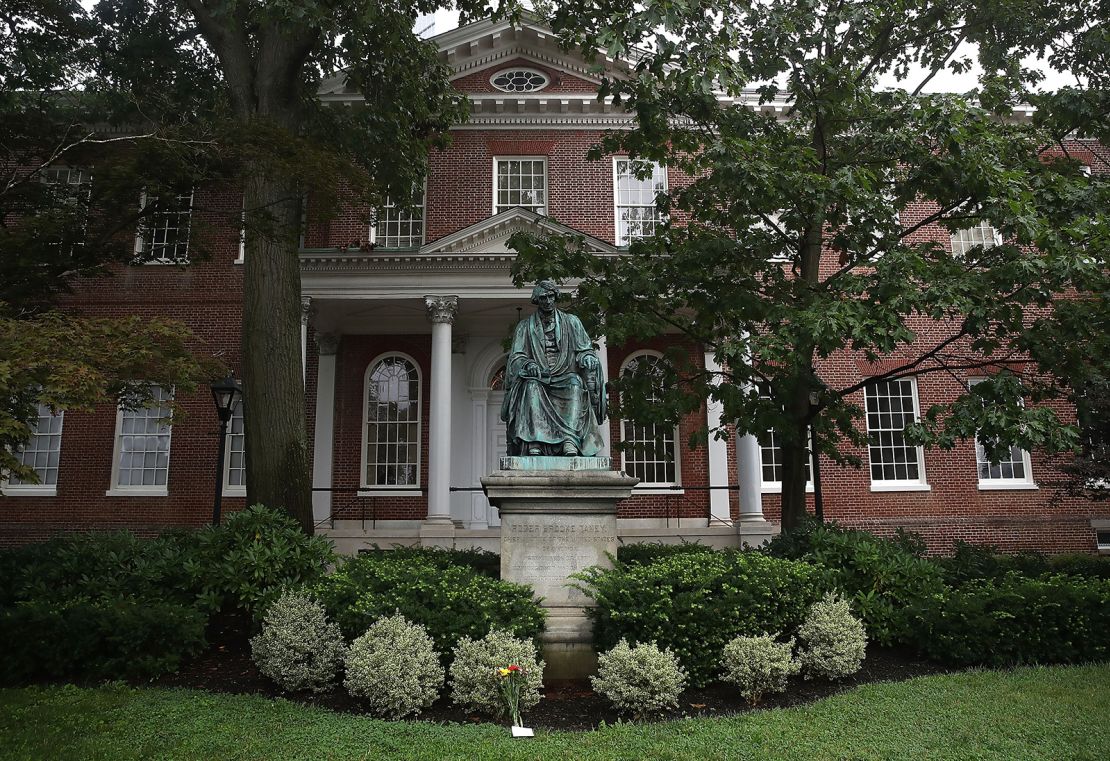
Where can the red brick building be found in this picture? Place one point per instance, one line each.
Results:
(403, 358)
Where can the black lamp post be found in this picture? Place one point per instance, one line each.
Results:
(225, 394)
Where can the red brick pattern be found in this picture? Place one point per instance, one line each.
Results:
(207, 296)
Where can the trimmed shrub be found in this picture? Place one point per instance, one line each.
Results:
(258, 552)
(694, 603)
(639, 679)
(101, 639)
(833, 642)
(482, 561)
(887, 579)
(473, 672)
(394, 668)
(644, 553)
(298, 647)
(450, 601)
(98, 566)
(1015, 620)
(758, 665)
(972, 562)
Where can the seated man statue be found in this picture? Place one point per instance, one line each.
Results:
(554, 386)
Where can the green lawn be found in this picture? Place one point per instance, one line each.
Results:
(1050, 713)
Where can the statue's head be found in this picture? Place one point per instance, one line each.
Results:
(543, 288)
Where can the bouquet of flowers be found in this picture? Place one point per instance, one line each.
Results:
(511, 681)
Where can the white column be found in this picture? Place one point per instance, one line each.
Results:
(441, 313)
(306, 311)
(606, 430)
(479, 505)
(748, 467)
(324, 438)
(718, 453)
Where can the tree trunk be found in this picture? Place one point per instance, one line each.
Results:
(277, 443)
(795, 451)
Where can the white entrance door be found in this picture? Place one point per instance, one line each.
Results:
(498, 443)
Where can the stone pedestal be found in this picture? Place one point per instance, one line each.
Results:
(556, 522)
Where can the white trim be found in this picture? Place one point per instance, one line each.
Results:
(546, 185)
(1025, 483)
(229, 489)
(372, 234)
(242, 233)
(139, 258)
(775, 487)
(888, 486)
(616, 204)
(363, 466)
(921, 482)
(28, 490)
(526, 70)
(651, 487)
(388, 491)
(1007, 484)
(115, 489)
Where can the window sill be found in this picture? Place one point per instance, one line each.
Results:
(1008, 486)
(369, 492)
(776, 488)
(240, 260)
(162, 492)
(29, 491)
(657, 489)
(234, 492)
(894, 486)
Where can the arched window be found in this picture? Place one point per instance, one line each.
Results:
(649, 453)
(497, 380)
(391, 442)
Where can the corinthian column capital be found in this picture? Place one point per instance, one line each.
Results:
(441, 308)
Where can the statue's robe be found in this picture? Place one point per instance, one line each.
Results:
(557, 407)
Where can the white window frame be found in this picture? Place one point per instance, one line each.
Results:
(116, 490)
(390, 490)
(957, 238)
(372, 235)
(8, 489)
(884, 485)
(141, 257)
(546, 185)
(242, 233)
(775, 487)
(660, 218)
(230, 489)
(652, 487)
(514, 69)
(1001, 484)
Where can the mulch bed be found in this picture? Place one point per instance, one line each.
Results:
(569, 705)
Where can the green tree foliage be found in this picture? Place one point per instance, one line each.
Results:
(788, 246)
(161, 94)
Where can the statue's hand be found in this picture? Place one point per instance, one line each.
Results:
(530, 370)
(589, 362)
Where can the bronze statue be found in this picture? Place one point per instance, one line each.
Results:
(554, 384)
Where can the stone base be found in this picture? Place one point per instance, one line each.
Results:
(437, 534)
(755, 532)
(544, 462)
(553, 525)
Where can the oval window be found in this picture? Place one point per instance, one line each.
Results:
(519, 80)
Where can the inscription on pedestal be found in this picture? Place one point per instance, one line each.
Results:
(543, 550)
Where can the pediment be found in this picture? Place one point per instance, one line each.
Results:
(491, 235)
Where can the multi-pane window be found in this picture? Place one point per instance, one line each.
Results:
(1013, 469)
(891, 405)
(649, 451)
(770, 452)
(392, 439)
(396, 227)
(635, 186)
(143, 445)
(236, 471)
(520, 182)
(979, 234)
(70, 187)
(164, 231)
(42, 451)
